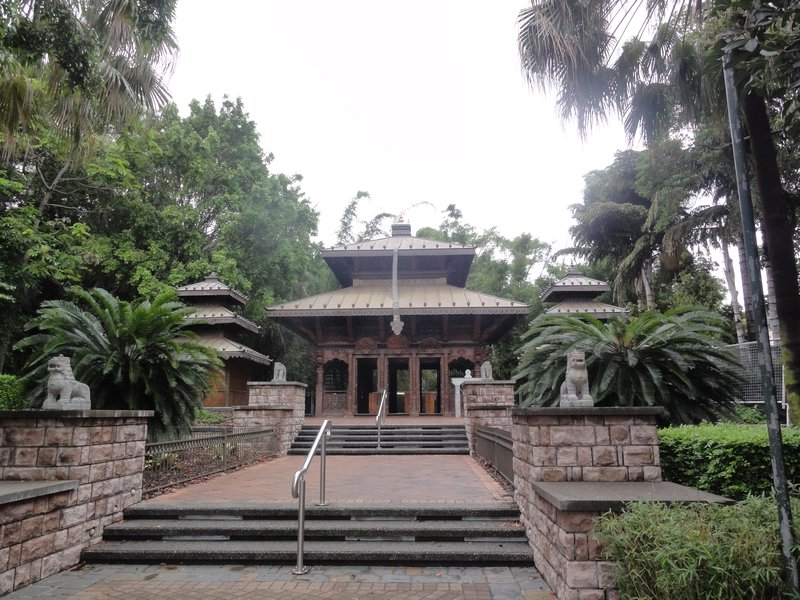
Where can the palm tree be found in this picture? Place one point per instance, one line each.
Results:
(133, 356)
(676, 360)
(571, 44)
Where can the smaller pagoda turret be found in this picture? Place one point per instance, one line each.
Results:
(577, 294)
(220, 327)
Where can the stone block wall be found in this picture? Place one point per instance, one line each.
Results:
(577, 445)
(102, 451)
(486, 402)
(277, 404)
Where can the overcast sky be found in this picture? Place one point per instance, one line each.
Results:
(420, 101)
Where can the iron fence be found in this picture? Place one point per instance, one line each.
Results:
(497, 448)
(179, 461)
(751, 392)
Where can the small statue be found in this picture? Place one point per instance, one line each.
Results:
(279, 374)
(468, 374)
(575, 389)
(486, 370)
(63, 392)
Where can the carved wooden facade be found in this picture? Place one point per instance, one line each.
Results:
(414, 285)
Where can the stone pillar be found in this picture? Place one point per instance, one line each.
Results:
(486, 402)
(278, 404)
(574, 448)
(99, 453)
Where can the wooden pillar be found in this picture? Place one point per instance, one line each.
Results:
(444, 385)
(352, 384)
(413, 383)
(320, 393)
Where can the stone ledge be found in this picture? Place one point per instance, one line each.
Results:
(603, 496)
(277, 383)
(265, 407)
(75, 414)
(485, 381)
(14, 491)
(486, 406)
(592, 411)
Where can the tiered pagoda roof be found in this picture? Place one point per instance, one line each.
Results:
(576, 294)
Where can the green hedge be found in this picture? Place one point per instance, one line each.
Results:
(12, 395)
(727, 459)
(696, 551)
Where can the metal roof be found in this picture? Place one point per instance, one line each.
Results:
(577, 306)
(214, 314)
(419, 297)
(403, 243)
(231, 349)
(573, 285)
(210, 286)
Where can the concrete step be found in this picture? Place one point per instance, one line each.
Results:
(395, 439)
(335, 529)
(370, 533)
(329, 552)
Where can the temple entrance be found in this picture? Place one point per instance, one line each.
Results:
(430, 386)
(367, 386)
(399, 385)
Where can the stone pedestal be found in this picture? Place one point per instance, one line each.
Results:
(277, 404)
(486, 402)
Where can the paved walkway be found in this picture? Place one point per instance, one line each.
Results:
(350, 479)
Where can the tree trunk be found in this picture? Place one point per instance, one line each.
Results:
(730, 279)
(647, 284)
(777, 225)
(772, 313)
(747, 293)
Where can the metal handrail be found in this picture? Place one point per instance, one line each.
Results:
(380, 418)
(299, 490)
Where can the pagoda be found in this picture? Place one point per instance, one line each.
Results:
(402, 321)
(576, 294)
(215, 320)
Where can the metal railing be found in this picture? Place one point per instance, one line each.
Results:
(299, 490)
(178, 461)
(380, 418)
(496, 447)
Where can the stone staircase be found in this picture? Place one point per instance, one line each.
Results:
(409, 534)
(395, 439)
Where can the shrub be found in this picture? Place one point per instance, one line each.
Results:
(676, 360)
(208, 417)
(132, 355)
(727, 459)
(11, 393)
(696, 551)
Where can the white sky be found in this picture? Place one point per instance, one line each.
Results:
(414, 101)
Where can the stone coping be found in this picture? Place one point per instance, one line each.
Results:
(278, 383)
(492, 381)
(603, 496)
(264, 407)
(590, 411)
(14, 491)
(74, 414)
(486, 405)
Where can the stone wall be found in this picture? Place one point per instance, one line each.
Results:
(486, 402)
(593, 446)
(98, 456)
(276, 404)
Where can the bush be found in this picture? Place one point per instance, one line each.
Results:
(208, 417)
(696, 551)
(11, 393)
(727, 459)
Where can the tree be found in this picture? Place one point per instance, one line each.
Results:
(571, 45)
(677, 360)
(133, 355)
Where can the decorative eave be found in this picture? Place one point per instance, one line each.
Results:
(220, 315)
(573, 285)
(231, 349)
(577, 306)
(212, 287)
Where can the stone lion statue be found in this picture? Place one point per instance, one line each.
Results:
(486, 370)
(575, 389)
(63, 392)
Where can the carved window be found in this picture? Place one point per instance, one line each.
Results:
(334, 376)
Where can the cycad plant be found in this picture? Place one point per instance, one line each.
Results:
(133, 355)
(676, 360)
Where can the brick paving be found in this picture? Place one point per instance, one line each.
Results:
(326, 582)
